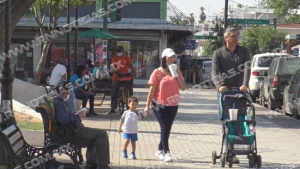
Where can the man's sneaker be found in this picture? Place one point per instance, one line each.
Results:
(124, 154)
(133, 155)
(168, 157)
(235, 160)
(160, 154)
(111, 111)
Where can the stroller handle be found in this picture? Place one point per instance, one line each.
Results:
(234, 88)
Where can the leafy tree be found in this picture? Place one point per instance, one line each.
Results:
(287, 9)
(250, 40)
(52, 9)
(179, 46)
(18, 9)
(262, 39)
(240, 6)
(216, 36)
(270, 39)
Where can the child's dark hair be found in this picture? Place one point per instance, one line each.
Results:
(133, 99)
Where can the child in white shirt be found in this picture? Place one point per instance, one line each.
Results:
(129, 121)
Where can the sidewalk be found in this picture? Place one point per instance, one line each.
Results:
(196, 132)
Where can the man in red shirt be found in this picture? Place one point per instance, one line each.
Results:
(122, 66)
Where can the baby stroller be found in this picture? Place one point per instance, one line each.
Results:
(239, 136)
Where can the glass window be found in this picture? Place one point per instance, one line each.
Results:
(264, 61)
(207, 64)
(296, 77)
(290, 65)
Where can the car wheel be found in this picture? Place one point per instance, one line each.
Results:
(262, 100)
(295, 111)
(47, 79)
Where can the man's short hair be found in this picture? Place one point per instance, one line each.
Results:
(120, 48)
(229, 29)
(62, 60)
(133, 99)
(61, 87)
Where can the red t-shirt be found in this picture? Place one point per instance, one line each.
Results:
(122, 64)
(167, 88)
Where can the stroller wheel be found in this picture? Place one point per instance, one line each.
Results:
(214, 157)
(222, 160)
(258, 161)
(251, 161)
(230, 161)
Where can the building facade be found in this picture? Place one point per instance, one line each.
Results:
(144, 31)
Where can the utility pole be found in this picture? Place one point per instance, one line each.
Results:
(105, 4)
(69, 68)
(6, 81)
(76, 40)
(225, 18)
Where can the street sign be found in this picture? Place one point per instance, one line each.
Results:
(252, 21)
(190, 44)
(296, 51)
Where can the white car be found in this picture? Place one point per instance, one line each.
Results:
(259, 70)
(206, 70)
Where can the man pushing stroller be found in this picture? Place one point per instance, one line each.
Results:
(230, 65)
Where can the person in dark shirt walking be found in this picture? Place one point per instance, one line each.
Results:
(230, 65)
(184, 66)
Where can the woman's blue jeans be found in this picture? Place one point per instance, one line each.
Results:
(165, 116)
(84, 97)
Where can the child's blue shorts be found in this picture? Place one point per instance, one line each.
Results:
(132, 137)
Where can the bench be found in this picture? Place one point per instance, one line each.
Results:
(102, 86)
(19, 154)
(60, 134)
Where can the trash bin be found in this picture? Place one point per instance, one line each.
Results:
(22, 75)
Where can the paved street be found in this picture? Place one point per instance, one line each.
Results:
(196, 133)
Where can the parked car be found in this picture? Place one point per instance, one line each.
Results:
(259, 70)
(280, 71)
(206, 70)
(291, 96)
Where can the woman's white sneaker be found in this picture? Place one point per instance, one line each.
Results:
(160, 154)
(168, 157)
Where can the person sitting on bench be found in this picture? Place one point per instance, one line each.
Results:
(97, 153)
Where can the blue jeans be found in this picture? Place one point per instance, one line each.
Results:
(165, 118)
(69, 102)
(84, 97)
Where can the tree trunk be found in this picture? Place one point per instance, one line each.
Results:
(42, 62)
(18, 9)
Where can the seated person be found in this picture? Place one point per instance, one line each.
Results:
(79, 91)
(97, 154)
(97, 65)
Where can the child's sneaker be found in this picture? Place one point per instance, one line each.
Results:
(133, 155)
(168, 157)
(124, 153)
(160, 154)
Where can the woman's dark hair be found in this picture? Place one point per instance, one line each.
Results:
(79, 70)
(164, 62)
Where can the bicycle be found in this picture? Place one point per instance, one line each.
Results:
(124, 93)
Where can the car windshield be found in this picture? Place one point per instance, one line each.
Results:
(207, 64)
(264, 61)
(290, 66)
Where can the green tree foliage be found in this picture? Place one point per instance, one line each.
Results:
(287, 9)
(179, 46)
(250, 40)
(216, 36)
(53, 9)
(262, 39)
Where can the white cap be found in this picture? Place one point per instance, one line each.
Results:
(168, 52)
